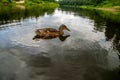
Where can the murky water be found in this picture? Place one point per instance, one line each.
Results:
(89, 53)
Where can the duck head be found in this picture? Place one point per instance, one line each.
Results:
(63, 27)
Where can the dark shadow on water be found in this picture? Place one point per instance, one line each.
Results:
(61, 37)
(68, 64)
(58, 63)
(40, 60)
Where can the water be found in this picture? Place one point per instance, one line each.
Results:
(89, 53)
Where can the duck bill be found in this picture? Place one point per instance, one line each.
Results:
(68, 29)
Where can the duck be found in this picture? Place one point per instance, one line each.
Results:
(48, 33)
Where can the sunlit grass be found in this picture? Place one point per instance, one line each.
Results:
(87, 7)
(42, 5)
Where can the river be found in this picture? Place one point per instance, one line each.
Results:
(90, 51)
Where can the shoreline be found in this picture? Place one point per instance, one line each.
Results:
(110, 9)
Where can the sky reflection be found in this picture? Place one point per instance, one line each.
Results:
(84, 52)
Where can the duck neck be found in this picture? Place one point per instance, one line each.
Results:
(61, 31)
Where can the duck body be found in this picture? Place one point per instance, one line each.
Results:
(47, 33)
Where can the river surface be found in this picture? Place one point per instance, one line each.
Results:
(88, 52)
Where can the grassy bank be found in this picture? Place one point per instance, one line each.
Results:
(108, 5)
(30, 3)
(111, 9)
(43, 4)
(10, 14)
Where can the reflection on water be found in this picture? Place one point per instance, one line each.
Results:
(112, 34)
(89, 53)
(103, 22)
(61, 37)
(11, 14)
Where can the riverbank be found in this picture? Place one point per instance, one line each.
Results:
(43, 5)
(28, 4)
(114, 9)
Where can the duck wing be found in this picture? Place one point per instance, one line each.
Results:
(50, 30)
(46, 30)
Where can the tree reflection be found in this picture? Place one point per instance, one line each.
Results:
(103, 21)
(9, 14)
(112, 33)
(112, 28)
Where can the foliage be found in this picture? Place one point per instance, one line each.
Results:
(27, 2)
(109, 3)
(41, 4)
(9, 14)
(80, 2)
(100, 3)
(7, 1)
(39, 1)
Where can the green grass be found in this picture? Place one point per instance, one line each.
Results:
(87, 7)
(109, 3)
(43, 4)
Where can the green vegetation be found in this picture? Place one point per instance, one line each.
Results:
(109, 3)
(9, 14)
(33, 3)
(7, 2)
(114, 4)
(10, 10)
(40, 3)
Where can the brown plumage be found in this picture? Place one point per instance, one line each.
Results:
(47, 33)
